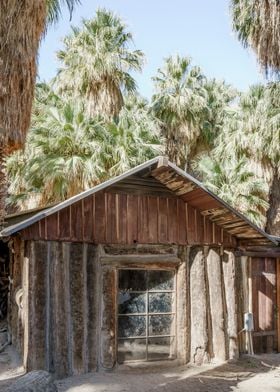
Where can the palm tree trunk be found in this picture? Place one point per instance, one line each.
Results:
(21, 26)
(3, 187)
(273, 213)
(104, 99)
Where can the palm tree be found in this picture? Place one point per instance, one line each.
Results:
(257, 25)
(220, 109)
(62, 156)
(236, 184)
(67, 152)
(255, 132)
(96, 64)
(21, 27)
(55, 9)
(179, 103)
(133, 138)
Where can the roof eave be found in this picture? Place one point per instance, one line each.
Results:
(160, 161)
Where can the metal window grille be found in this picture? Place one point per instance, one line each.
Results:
(146, 315)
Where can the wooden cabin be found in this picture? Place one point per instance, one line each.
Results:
(148, 266)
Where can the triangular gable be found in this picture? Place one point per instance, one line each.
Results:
(175, 181)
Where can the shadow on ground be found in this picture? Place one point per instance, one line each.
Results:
(249, 374)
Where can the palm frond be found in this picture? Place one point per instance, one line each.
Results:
(257, 25)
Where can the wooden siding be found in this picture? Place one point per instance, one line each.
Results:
(118, 218)
(264, 304)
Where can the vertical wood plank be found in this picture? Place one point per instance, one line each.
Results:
(37, 306)
(88, 219)
(218, 234)
(153, 219)
(216, 303)
(182, 225)
(77, 221)
(264, 298)
(59, 295)
(77, 304)
(132, 219)
(16, 314)
(191, 225)
(100, 218)
(108, 326)
(64, 223)
(143, 219)
(43, 229)
(51, 227)
(35, 229)
(111, 222)
(199, 228)
(122, 218)
(26, 285)
(93, 282)
(208, 234)
(229, 275)
(278, 302)
(226, 238)
(183, 303)
(172, 221)
(162, 220)
(198, 302)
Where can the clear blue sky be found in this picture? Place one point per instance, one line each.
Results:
(197, 28)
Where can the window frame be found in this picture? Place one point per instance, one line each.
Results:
(147, 314)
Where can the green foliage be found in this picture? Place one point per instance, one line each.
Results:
(254, 130)
(97, 62)
(67, 152)
(192, 109)
(90, 124)
(234, 182)
(257, 25)
(54, 9)
(179, 103)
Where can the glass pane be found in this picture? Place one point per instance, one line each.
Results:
(160, 325)
(132, 302)
(132, 280)
(131, 350)
(160, 302)
(160, 348)
(131, 326)
(161, 280)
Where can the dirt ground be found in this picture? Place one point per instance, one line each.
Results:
(249, 374)
(10, 366)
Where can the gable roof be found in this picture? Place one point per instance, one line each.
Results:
(176, 181)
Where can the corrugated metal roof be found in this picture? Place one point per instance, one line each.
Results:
(183, 185)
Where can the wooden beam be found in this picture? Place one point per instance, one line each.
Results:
(258, 254)
(140, 259)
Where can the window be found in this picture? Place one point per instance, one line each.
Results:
(146, 315)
